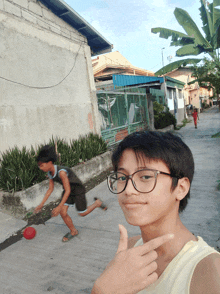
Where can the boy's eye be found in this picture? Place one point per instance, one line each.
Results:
(146, 177)
(121, 178)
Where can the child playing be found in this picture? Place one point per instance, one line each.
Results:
(195, 116)
(73, 193)
(152, 175)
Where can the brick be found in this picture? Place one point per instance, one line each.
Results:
(11, 8)
(43, 24)
(23, 3)
(65, 32)
(55, 28)
(35, 8)
(48, 14)
(29, 16)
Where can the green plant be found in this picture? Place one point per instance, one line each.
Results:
(19, 168)
(184, 122)
(217, 135)
(218, 187)
(162, 118)
(193, 42)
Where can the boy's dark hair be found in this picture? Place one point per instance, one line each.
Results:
(166, 147)
(47, 153)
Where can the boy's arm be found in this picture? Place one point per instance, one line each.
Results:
(47, 195)
(67, 189)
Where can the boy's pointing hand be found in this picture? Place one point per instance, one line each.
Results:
(131, 270)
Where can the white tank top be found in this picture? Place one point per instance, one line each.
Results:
(177, 276)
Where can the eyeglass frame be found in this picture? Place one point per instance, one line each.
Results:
(129, 177)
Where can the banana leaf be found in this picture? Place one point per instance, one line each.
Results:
(191, 28)
(216, 37)
(189, 50)
(207, 21)
(176, 36)
(175, 65)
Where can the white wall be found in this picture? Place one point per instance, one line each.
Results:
(181, 111)
(39, 49)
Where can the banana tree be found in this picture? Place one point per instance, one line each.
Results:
(193, 42)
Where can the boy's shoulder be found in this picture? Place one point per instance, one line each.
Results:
(206, 276)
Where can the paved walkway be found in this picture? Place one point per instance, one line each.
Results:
(45, 264)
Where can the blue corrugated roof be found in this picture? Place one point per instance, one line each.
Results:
(126, 80)
(96, 41)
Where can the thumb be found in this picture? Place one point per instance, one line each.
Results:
(123, 241)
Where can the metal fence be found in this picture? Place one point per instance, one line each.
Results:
(122, 113)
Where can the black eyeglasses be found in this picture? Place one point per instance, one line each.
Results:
(144, 180)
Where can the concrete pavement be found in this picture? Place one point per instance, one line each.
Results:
(45, 264)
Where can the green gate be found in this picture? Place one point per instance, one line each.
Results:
(122, 113)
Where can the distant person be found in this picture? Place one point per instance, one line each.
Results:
(73, 193)
(195, 117)
(152, 175)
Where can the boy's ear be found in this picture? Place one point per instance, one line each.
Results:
(182, 188)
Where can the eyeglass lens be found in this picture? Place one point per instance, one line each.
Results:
(143, 181)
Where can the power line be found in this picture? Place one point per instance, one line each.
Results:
(47, 87)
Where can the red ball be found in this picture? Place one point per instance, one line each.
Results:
(29, 233)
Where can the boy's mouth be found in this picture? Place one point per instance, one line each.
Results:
(131, 205)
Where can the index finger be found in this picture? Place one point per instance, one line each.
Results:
(155, 243)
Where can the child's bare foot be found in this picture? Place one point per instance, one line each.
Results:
(70, 235)
(100, 203)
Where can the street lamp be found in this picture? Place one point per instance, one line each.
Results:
(162, 56)
(165, 87)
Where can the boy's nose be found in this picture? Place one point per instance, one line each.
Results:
(130, 189)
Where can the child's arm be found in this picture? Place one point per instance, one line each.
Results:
(47, 195)
(67, 189)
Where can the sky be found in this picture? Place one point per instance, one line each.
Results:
(127, 25)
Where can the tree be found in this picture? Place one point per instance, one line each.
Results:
(208, 74)
(193, 42)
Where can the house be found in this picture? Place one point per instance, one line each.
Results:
(193, 94)
(112, 63)
(46, 77)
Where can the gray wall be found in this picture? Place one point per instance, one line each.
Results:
(39, 49)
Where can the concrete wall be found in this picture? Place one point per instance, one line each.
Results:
(38, 49)
(180, 115)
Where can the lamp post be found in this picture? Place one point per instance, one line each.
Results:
(165, 87)
(162, 56)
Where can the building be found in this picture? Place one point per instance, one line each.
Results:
(106, 65)
(193, 94)
(46, 77)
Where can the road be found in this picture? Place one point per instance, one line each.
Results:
(45, 264)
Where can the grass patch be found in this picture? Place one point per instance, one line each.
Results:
(184, 122)
(218, 186)
(217, 135)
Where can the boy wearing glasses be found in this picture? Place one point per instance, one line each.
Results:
(152, 175)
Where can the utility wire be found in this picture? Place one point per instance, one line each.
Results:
(33, 87)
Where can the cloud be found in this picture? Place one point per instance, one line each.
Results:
(127, 25)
